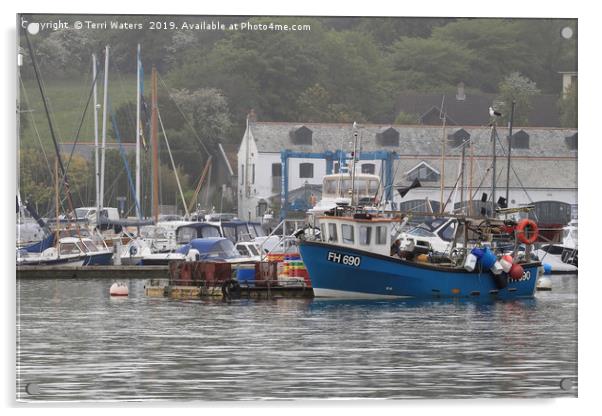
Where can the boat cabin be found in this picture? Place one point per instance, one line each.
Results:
(360, 232)
(338, 186)
(186, 233)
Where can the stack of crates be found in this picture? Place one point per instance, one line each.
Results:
(291, 271)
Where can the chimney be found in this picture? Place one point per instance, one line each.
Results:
(460, 96)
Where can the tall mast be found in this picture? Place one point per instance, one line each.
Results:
(96, 172)
(138, 65)
(155, 144)
(470, 194)
(104, 132)
(444, 139)
(353, 164)
(510, 123)
(462, 177)
(494, 168)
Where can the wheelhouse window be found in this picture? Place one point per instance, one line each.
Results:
(448, 232)
(368, 168)
(332, 233)
(323, 232)
(186, 235)
(347, 232)
(381, 235)
(243, 250)
(306, 170)
(365, 234)
(210, 232)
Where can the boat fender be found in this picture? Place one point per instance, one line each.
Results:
(547, 268)
(516, 271)
(524, 226)
(506, 263)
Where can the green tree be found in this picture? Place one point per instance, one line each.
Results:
(520, 89)
(426, 64)
(405, 118)
(568, 108)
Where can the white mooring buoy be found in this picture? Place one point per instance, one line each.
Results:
(119, 289)
(544, 283)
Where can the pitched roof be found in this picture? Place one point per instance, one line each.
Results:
(473, 110)
(538, 166)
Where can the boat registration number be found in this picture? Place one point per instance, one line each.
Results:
(345, 259)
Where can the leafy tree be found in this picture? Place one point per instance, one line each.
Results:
(207, 110)
(423, 64)
(405, 118)
(568, 108)
(518, 88)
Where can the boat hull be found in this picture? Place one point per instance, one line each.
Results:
(343, 272)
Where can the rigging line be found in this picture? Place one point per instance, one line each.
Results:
(81, 123)
(50, 125)
(183, 116)
(128, 112)
(123, 156)
(513, 170)
(35, 128)
(173, 164)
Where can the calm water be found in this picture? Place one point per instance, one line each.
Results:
(76, 343)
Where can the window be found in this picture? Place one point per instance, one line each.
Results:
(347, 231)
(368, 168)
(365, 234)
(520, 140)
(243, 250)
(388, 137)
(448, 232)
(381, 235)
(301, 135)
(306, 170)
(253, 173)
(276, 169)
(336, 167)
(323, 232)
(332, 233)
(185, 235)
(423, 173)
(209, 232)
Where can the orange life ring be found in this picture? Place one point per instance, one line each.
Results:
(525, 226)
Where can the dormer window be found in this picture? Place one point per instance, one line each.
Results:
(388, 137)
(301, 135)
(571, 142)
(458, 138)
(520, 140)
(424, 173)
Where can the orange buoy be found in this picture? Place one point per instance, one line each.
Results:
(119, 289)
(516, 271)
(527, 226)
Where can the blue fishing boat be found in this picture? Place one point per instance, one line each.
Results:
(353, 259)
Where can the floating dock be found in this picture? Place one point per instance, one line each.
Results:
(92, 272)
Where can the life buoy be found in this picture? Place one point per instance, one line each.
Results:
(527, 226)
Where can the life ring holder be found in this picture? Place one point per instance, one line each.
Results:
(524, 226)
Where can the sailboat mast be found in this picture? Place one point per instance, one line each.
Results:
(510, 123)
(96, 172)
(494, 168)
(155, 144)
(104, 132)
(443, 149)
(353, 165)
(138, 64)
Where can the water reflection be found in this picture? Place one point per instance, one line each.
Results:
(77, 343)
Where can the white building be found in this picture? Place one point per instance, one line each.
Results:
(544, 162)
